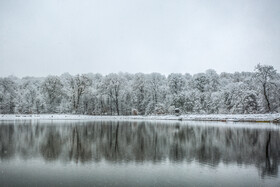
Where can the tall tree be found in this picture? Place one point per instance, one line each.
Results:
(265, 75)
(8, 89)
(139, 89)
(29, 96)
(52, 92)
(112, 85)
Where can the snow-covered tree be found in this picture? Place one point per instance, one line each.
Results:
(30, 97)
(52, 92)
(265, 76)
(8, 89)
(122, 93)
(140, 92)
(75, 88)
(112, 85)
(157, 90)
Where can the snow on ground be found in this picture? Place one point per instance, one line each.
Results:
(195, 117)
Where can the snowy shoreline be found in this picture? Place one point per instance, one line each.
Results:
(269, 118)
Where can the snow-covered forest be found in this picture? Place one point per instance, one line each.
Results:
(144, 94)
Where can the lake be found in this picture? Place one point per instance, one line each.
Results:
(138, 153)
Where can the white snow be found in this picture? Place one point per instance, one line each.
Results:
(192, 117)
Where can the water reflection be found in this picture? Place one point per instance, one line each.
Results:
(141, 142)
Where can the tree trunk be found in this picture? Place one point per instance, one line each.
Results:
(266, 97)
(117, 106)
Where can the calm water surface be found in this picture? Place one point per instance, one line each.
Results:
(137, 153)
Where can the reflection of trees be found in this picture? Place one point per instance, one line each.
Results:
(51, 148)
(142, 141)
(271, 164)
(7, 145)
(80, 147)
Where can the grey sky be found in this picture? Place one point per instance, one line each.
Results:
(42, 37)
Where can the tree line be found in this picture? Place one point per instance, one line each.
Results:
(144, 94)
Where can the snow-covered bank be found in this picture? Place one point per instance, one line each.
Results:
(196, 117)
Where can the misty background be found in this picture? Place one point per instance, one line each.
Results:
(39, 38)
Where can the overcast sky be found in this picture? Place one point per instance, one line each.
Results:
(42, 37)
